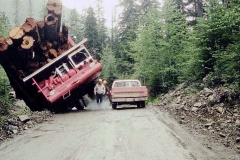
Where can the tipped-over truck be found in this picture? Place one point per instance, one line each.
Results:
(57, 85)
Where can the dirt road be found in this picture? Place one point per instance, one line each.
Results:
(100, 133)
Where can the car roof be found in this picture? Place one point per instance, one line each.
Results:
(122, 80)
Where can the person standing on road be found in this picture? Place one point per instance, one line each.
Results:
(107, 89)
(99, 91)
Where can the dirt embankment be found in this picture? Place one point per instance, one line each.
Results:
(214, 113)
(21, 118)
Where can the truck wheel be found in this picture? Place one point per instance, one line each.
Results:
(142, 104)
(138, 104)
(80, 104)
(114, 106)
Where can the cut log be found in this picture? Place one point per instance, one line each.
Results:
(29, 25)
(51, 27)
(31, 29)
(27, 42)
(9, 41)
(41, 31)
(33, 66)
(60, 38)
(53, 53)
(62, 49)
(46, 45)
(3, 44)
(55, 45)
(65, 33)
(54, 6)
(16, 32)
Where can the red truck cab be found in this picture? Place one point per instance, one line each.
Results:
(128, 91)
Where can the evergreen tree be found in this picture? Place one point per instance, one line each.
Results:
(160, 50)
(109, 71)
(102, 30)
(17, 9)
(4, 25)
(75, 25)
(91, 31)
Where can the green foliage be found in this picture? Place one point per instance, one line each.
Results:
(160, 49)
(109, 71)
(5, 101)
(75, 23)
(102, 30)
(91, 30)
(4, 25)
(22, 110)
(220, 44)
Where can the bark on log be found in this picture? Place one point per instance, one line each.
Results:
(27, 42)
(16, 32)
(65, 33)
(54, 6)
(3, 44)
(51, 27)
(41, 31)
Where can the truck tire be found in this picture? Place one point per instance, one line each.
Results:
(114, 106)
(80, 104)
(138, 104)
(142, 104)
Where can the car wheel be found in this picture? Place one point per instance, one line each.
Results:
(114, 106)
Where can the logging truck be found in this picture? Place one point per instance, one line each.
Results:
(44, 65)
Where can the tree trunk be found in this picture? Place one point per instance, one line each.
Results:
(199, 8)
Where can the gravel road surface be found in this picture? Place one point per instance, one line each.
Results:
(100, 133)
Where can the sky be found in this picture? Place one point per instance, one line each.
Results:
(108, 5)
(82, 4)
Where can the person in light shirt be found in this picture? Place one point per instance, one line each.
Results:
(99, 91)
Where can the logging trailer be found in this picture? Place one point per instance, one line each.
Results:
(44, 65)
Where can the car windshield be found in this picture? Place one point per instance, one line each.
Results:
(126, 84)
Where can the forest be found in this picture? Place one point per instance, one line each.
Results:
(163, 45)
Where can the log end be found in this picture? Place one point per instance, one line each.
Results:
(27, 42)
(16, 32)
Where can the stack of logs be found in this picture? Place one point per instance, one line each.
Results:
(36, 43)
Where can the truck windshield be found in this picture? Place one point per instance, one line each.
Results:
(126, 84)
(79, 57)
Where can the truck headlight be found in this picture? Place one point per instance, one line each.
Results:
(52, 92)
